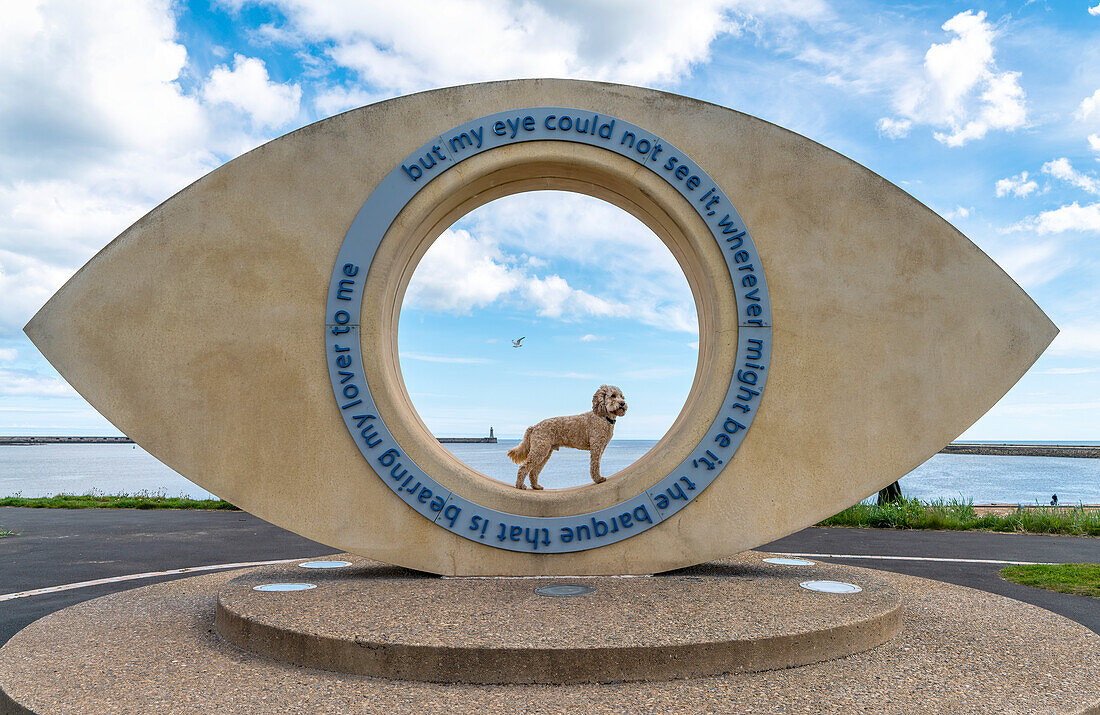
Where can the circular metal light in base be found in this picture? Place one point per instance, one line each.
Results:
(565, 589)
(789, 562)
(325, 564)
(830, 586)
(284, 587)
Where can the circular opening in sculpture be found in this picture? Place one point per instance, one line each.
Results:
(520, 311)
(516, 169)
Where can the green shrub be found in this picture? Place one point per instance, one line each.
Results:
(96, 500)
(957, 515)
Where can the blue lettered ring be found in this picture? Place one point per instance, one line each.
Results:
(515, 532)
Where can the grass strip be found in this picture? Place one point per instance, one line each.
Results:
(949, 515)
(957, 515)
(141, 500)
(1078, 579)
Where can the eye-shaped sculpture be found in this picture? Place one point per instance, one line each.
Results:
(244, 332)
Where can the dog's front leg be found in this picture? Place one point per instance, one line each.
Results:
(594, 463)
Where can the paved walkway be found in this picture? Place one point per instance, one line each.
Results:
(54, 547)
(959, 557)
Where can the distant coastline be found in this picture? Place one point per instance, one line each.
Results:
(63, 440)
(1016, 449)
(466, 440)
(31, 440)
(71, 467)
(1007, 449)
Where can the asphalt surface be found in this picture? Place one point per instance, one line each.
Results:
(52, 547)
(960, 545)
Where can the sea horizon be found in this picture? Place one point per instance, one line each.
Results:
(517, 438)
(45, 470)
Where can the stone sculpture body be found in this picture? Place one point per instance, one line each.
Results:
(847, 332)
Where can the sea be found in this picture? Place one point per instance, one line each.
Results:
(45, 470)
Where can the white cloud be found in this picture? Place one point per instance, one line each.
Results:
(248, 88)
(654, 373)
(1094, 142)
(1063, 169)
(590, 338)
(630, 266)
(75, 216)
(446, 359)
(333, 100)
(958, 212)
(95, 129)
(8, 354)
(1069, 217)
(459, 273)
(894, 128)
(635, 277)
(1079, 339)
(396, 48)
(1033, 263)
(1042, 410)
(547, 225)
(847, 55)
(961, 88)
(78, 80)
(1095, 10)
(553, 297)
(25, 285)
(1069, 371)
(1018, 185)
(27, 383)
(1072, 217)
(560, 375)
(1088, 106)
(694, 345)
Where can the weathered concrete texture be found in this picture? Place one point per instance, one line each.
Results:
(155, 650)
(735, 615)
(198, 332)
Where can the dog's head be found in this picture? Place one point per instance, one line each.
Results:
(609, 402)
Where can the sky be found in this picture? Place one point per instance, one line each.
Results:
(987, 112)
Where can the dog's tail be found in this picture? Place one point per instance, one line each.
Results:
(518, 454)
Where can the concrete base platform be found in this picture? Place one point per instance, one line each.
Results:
(736, 616)
(156, 649)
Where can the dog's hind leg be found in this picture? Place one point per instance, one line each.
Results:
(538, 459)
(530, 468)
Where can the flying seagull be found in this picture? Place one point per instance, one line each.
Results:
(516, 343)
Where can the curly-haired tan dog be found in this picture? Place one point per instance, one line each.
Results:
(590, 430)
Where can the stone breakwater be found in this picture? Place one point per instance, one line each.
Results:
(1023, 450)
(466, 440)
(64, 440)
